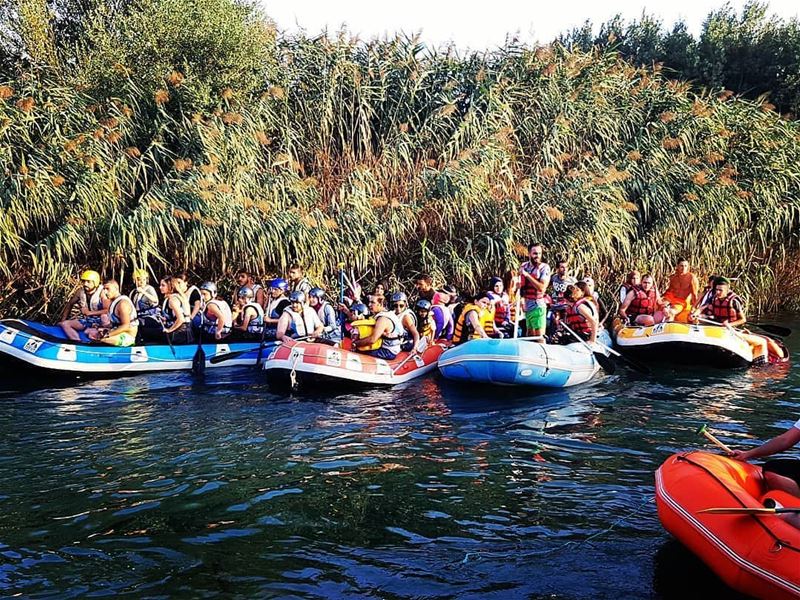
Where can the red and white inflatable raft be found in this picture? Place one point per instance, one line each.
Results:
(301, 363)
(756, 554)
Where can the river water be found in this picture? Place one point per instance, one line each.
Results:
(159, 486)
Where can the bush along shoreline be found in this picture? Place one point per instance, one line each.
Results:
(385, 155)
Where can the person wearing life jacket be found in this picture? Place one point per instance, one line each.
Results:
(682, 292)
(727, 309)
(409, 334)
(388, 330)
(122, 319)
(454, 303)
(217, 318)
(535, 276)
(782, 473)
(501, 305)
(299, 320)
(424, 285)
(643, 305)
(559, 282)
(93, 305)
(426, 327)
(326, 314)
(245, 279)
(582, 314)
(476, 320)
(277, 302)
(144, 296)
(356, 312)
(632, 280)
(298, 282)
(175, 311)
(193, 297)
(442, 317)
(249, 322)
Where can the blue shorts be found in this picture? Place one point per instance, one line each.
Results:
(384, 353)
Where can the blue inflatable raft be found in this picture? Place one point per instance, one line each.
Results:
(521, 362)
(28, 345)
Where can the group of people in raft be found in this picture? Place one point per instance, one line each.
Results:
(556, 307)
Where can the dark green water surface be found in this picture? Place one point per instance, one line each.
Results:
(158, 486)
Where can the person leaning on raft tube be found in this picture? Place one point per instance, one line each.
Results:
(388, 330)
(476, 320)
(90, 297)
(582, 314)
(175, 311)
(217, 319)
(643, 305)
(122, 319)
(300, 321)
(535, 276)
(682, 292)
(326, 313)
(779, 474)
(727, 309)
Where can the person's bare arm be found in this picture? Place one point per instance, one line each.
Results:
(777, 444)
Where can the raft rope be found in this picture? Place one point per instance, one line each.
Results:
(293, 373)
(571, 544)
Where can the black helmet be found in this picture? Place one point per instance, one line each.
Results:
(423, 304)
(316, 292)
(246, 292)
(359, 308)
(297, 296)
(399, 297)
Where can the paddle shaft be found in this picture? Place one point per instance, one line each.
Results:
(604, 362)
(711, 438)
(744, 510)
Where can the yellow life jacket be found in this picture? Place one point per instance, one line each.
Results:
(464, 330)
(364, 328)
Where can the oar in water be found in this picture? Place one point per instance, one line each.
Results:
(199, 358)
(629, 362)
(218, 358)
(703, 430)
(604, 361)
(744, 510)
(773, 329)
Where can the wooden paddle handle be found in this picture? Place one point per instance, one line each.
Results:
(710, 437)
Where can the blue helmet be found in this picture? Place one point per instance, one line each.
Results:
(246, 292)
(359, 309)
(297, 296)
(399, 297)
(279, 284)
(317, 293)
(210, 287)
(423, 304)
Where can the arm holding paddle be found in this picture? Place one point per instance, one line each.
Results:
(777, 444)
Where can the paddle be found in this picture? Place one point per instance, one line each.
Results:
(341, 299)
(218, 358)
(169, 343)
(750, 511)
(773, 329)
(703, 430)
(629, 362)
(516, 313)
(421, 346)
(199, 358)
(604, 361)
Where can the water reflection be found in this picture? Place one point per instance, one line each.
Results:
(164, 485)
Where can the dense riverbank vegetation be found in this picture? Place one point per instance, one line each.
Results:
(188, 134)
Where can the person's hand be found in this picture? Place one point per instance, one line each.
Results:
(738, 455)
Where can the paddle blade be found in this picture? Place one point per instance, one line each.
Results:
(749, 511)
(199, 362)
(776, 329)
(605, 363)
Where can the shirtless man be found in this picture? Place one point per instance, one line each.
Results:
(682, 292)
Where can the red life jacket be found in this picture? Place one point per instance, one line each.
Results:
(643, 303)
(575, 320)
(529, 292)
(728, 308)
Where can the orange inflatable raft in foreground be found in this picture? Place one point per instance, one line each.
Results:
(305, 362)
(758, 555)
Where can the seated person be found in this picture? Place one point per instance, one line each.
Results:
(249, 321)
(175, 311)
(476, 320)
(408, 320)
(779, 474)
(388, 330)
(501, 304)
(426, 326)
(93, 305)
(122, 320)
(299, 320)
(424, 285)
(727, 309)
(144, 297)
(442, 317)
(632, 280)
(582, 314)
(245, 279)
(643, 305)
(217, 319)
(277, 302)
(326, 314)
